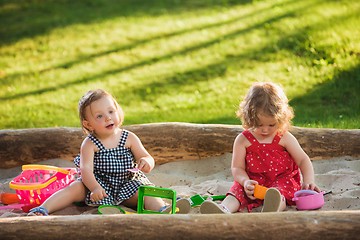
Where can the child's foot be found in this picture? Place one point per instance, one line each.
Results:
(182, 204)
(209, 207)
(38, 211)
(272, 200)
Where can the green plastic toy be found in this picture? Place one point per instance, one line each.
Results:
(155, 192)
(197, 200)
(114, 209)
(111, 209)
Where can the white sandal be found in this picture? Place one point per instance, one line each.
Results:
(182, 204)
(210, 207)
(272, 200)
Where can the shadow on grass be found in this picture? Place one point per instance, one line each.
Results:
(176, 82)
(335, 98)
(28, 19)
(85, 58)
(182, 52)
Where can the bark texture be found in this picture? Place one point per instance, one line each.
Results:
(166, 142)
(286, 225)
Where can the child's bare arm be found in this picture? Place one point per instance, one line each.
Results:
(87, 171)
(238, 166)
(145, 161)
(302, 160)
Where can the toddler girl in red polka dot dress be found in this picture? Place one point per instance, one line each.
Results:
(266, 153)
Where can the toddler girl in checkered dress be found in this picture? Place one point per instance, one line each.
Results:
(105, 155)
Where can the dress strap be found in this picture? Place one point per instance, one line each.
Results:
(123, 138)
(250, 137)
(276, 139)
(96, 141)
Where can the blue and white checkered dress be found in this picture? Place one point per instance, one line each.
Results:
(110, 171)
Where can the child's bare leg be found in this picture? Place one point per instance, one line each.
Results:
(132, 201)
(231, 203)
(150, 203)
(283, 204)
(75, 192)
(153, 203)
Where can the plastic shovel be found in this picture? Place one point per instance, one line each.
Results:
(25, 207)
(133, 170)
(13, 206)
(197, 200)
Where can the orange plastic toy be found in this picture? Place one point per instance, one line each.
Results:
(260, 191)
(9, 198)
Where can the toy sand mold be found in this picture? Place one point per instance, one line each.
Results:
(169, 142)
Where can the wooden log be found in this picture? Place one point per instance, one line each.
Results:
(285, 225)
(27, 146)
(166, 142)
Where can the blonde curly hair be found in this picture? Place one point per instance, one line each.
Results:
(268, 99)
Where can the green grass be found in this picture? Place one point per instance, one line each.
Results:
(184, 61)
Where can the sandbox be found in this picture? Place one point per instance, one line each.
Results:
(192, 159)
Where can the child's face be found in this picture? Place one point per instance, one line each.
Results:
(267, 126)
(102, 116)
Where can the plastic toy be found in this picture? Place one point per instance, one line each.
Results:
(308, 199)
(9, 198)
(260, 191)
(13, 206)
(133, 170)
(110, 209)
(38, 182)
(197, 200)
(156, 192)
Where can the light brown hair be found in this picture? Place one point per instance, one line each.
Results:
(268, 99)
(90, 97)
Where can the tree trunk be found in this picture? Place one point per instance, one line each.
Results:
(166, 142)
(285, 225)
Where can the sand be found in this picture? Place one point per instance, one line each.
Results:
(340, 176)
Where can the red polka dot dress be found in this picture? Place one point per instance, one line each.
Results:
(271, 166)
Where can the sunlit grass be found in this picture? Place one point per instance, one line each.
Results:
(186, 61)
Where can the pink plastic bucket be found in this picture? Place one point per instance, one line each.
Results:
(308, 199)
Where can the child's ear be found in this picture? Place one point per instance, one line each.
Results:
(87, 125)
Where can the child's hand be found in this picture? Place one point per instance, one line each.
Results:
(249, 187)
(310, 186)
(144, 165)
(98, 194)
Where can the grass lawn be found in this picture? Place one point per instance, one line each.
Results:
(178, 60)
